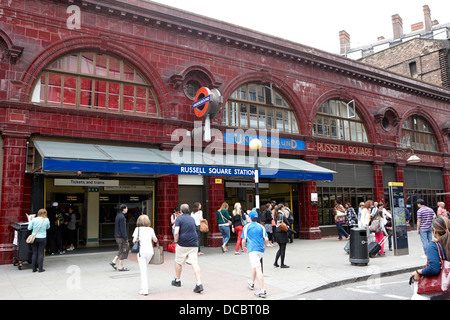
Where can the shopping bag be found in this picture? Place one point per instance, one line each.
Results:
(158, 255)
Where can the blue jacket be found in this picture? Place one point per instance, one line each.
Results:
(434, 265)
(36, 223)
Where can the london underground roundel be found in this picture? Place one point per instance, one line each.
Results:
(207, 102)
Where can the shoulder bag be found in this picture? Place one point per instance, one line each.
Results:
(204, 226)
(32, 237)
(137, 245)
(439, 284)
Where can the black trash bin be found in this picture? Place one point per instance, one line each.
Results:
(359, 249)
(22, 250)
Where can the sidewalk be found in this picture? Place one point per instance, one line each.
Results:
(314, 264)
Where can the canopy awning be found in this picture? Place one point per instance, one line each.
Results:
(72, 157)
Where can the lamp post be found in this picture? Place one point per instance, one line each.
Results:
(255, 145)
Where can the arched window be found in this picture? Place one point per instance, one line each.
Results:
(417, 133)
(259, 106)
(336, 119)
(95, 81)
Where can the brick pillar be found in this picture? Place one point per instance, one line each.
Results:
(446, 173)
(167, 200)
(13, 199)
(216, 192)
(309, 213)
(378, 182)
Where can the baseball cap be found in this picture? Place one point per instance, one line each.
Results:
(253, 214)
(55, 204)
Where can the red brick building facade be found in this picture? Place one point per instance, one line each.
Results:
(123, 74)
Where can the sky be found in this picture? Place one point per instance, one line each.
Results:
(316, 23)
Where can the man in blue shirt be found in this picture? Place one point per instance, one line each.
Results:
(185, 236)
(254, 240)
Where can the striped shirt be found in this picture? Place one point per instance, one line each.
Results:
(426, 216)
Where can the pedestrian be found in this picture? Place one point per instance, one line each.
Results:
(425, 216)
(441, 231)
(268, 219)
(71, 228)
(173, 217)
(238, 221)
(377, 226)
(121, 236)
(361, 206)
(39, 227)
(197, 214)
(290, 218)
(281, 236)
(254, 239)
(365, 215)
(441, 211)
(351, 217)
(339, 218)
(57, 221)
(187, 248)
(145, 235)
(389, 228)
(224, 221)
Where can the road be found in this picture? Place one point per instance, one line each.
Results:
(378, 288)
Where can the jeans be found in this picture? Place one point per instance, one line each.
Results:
(238, 231)
(38, 248)
(341, 231)
(225, 231)
(426, 236)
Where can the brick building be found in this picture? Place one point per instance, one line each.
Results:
(423, 53)
(96, 96)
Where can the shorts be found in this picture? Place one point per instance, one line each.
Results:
(124, 248)
(255, 258)
(186, 255)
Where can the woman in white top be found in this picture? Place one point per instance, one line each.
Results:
(365, 214)
(197, 214)
(145, 234)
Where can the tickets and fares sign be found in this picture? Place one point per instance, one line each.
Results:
(397, 198)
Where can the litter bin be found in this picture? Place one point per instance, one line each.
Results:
(359, 249)
(22, 250)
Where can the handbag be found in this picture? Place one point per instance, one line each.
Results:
(137, 245)
(204, 226)
(283, 227)
(32, 237)
(158, 255)
(437, 284)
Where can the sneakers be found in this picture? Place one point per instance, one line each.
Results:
(251, 285)
(261, 293)
(176, 283)
(198, 288)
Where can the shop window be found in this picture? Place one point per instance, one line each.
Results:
(259, 106)
(335, 119)
(95, 81)
(417, 134)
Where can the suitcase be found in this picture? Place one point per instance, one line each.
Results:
(375, 247)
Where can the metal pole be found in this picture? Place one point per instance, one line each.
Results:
(256, 180)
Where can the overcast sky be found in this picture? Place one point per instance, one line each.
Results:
(316, 23)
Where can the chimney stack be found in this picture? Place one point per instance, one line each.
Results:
(427, 18)
(344, 40)
(397, 25)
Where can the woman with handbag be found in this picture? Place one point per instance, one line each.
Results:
(339, 218)
(39, 226)
(224, 221)
(438, 255)
(144, 235)
(281, 234)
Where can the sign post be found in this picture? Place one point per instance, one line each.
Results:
(400, 232)
(207, 104)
